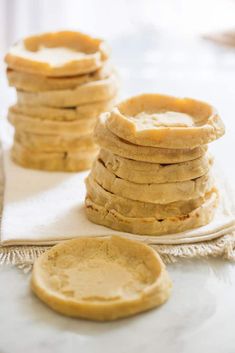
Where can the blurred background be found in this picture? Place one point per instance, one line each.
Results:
(179, 47)
(112, 19)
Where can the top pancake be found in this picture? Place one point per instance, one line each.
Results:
(64, 53)
(167, 122)
(109, 141)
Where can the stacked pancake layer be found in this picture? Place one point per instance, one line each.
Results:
(153, 173)
(64, 81)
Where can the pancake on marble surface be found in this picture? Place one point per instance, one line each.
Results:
(101, 279)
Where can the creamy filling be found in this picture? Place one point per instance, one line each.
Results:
(98, 279)
(145, 121)
(58, 56)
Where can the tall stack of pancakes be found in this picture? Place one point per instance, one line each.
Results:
(153, 173)
(64, 80)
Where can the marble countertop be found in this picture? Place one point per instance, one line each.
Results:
(200, 315)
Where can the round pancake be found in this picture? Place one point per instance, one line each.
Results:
(62, 53)
(100, 279)
(109, 141)
(53, 161)
(162, 193)
(41, 126)
(163, 121)
(144, 172)
(54, 143)
(90, 92)
(84, 111)
(139, 209)
(151, 226)
(37, 83)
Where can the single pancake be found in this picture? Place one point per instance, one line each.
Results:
(163, 121)
(101, 278)
(63, 53)
(109, 141)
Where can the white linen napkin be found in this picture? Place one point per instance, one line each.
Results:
(47, 207)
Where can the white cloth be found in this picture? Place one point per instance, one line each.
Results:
(47, 207)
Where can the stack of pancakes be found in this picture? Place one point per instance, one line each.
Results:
(153, 173)
(64, 80)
